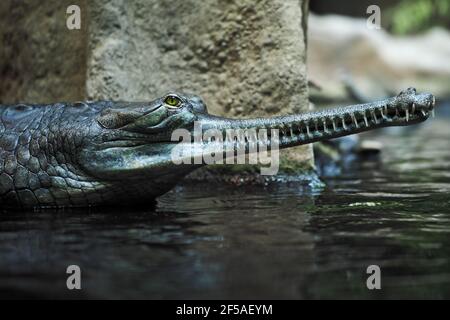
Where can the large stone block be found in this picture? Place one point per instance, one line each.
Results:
(245, 58)
(41, 60)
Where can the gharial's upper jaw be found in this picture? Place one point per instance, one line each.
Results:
(423, 101)
(408, 107)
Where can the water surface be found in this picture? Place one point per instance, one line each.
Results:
(275, 241)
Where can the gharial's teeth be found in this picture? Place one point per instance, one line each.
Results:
(307, 128)
(407, 114)
(424, 113)
(294, 129)
(343, 124)
(292, 133)
(374, 116)
(413, 109)
(365, 120)
(334, 124)
(315, 126)
(354, 120)
(325, 129)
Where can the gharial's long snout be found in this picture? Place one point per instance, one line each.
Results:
(406, 108)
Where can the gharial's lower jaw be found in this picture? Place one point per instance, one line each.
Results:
(407, 108)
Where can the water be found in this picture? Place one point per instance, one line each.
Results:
(278, 241)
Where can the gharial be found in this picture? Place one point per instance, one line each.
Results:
(103, 153)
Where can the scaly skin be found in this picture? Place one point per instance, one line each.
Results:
(108, 153)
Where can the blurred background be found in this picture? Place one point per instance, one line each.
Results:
(399, 16)
(349, 61)
(346, 59)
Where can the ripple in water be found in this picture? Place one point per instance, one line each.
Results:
(276, 241)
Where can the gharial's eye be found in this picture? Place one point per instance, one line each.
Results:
(172, 101)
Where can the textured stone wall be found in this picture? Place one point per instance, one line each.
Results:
(245, 58)
(40, 59)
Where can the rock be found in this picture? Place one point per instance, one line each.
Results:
(369, 149)
(245, 58)
(370, 146)
(40, 59)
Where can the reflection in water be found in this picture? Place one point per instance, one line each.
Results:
(276, 241)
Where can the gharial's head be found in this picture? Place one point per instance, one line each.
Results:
(134, 140)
